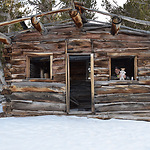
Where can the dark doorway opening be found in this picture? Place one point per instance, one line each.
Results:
(80, 83)
(123, 62)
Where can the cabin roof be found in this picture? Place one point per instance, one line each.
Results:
(90, 26)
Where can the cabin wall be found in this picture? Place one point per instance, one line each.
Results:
(31, 96)
(122, 96)
(110, 96)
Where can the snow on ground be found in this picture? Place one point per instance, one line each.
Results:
(1, 110)
(72, 133)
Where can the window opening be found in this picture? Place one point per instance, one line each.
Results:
(120, 63)
(40, 67)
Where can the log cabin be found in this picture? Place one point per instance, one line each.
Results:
(67, 68)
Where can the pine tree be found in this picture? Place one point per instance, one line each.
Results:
(138, 9)
(11, 9)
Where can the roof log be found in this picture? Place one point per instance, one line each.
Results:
(38, 25)
(4, 39)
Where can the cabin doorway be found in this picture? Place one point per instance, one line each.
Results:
(80, 82)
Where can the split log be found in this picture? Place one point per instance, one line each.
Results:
(122, 97)
(38, 87)
(37, 106)
(38, 96)
(23, 113)
(123, 106)
(5, 39)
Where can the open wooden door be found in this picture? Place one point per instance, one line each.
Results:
(80, 82)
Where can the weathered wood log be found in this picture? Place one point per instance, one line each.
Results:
(123, 17)
(38, 15)
(5, 39)
(122, 97)
(75, 15)
(38, 96)
(23, 113)
(122, 106)
(116, 23)
(38, 87)
(38, 25)
(35, 89)
(37, 106)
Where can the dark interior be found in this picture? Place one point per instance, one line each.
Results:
(123, 62)
(80, 83)
(40, 67)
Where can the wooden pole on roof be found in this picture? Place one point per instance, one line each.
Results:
(37, 15)
(123, 17)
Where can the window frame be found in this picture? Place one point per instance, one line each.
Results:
(119, 55)
(28, 57)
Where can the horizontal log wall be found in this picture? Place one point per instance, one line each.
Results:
(109, 95)
(122, 96)
(37, 96)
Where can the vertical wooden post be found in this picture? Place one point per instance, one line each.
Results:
(135, 68)
(67, 80)
(68, 74)
(92, 84)
(109, 68)
(27, 66)
(51, 66)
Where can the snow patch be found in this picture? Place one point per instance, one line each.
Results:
(1, 109)
(72, 133)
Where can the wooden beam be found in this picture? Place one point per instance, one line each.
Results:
(29, 17)
(92, 84)
(147, 23)
(135, 68)
(5, 39)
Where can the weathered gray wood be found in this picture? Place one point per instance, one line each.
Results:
(37, 96)
(5, 39)
(123, 17)
(37, 15)
(122, 106)
(35, 113)
(37, 106)
(123, 97)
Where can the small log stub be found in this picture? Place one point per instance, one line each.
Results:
(116, 22)
(81, 10)
(38, 25)
(5, 39)
(75, 15)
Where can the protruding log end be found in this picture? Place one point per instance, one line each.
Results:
(75, 15)
(78, 6)
(116, 23)
(5, 39)
(38, 25)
